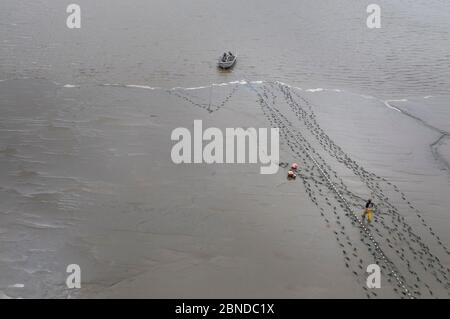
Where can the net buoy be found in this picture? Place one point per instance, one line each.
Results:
(291, 174)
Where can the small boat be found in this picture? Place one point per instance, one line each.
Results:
(227, 60)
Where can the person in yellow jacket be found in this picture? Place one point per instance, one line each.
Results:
(368, 211)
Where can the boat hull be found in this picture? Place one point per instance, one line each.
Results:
(227, 64)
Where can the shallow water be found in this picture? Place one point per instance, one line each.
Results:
(160, 43)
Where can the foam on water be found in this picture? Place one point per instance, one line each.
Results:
(393, 107)
(260, 82)
(137, 86)
(17, 286)
(315, 90)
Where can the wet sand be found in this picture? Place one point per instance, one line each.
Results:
(88, 179)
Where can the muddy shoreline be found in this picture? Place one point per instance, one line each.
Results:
(88, 179)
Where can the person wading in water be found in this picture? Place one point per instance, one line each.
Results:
(368, 211)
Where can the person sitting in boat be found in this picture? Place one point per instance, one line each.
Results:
(224, 57)
(230, 54)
